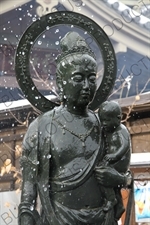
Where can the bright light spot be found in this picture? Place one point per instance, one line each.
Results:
(57, 43)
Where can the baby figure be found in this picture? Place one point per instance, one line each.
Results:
(117, 153)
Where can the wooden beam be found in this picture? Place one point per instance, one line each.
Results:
(13, 129)
(140, 169)
(13, 137)
(139, 128)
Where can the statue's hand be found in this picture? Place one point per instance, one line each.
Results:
(110, 157)
(26, 219)
(108, 176)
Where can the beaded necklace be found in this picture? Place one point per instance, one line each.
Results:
(82, 137)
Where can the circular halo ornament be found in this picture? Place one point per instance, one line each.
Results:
(22, 59)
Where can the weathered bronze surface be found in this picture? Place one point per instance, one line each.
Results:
(64, 158)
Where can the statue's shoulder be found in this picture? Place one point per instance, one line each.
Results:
(47, 116)
(41, 120)
(93, 116)
(124, 129)
(45, 119)
(38, 126)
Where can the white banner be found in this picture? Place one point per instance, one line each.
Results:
(9, 202)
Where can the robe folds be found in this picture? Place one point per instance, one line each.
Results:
(35, 163)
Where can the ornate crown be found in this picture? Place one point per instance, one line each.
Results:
(74, 43)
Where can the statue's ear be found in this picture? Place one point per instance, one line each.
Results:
(60, 87)
(59, 82)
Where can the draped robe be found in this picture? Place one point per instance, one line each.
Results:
(35, 161)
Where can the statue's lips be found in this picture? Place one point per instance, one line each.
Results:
(85, 94)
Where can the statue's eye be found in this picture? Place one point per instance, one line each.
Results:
(77, 78)
(92, 79)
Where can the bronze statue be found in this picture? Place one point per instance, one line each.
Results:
(117, 150)
(63, 148)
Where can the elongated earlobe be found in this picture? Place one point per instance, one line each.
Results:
(61, 96)
(60, 87)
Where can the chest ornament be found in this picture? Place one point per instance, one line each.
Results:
(81, 137)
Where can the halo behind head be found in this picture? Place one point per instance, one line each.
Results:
(22, 61)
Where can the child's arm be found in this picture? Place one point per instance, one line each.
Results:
(122, 145)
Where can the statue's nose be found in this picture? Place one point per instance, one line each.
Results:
(86, 84)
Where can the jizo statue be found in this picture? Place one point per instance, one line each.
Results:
(74, 160)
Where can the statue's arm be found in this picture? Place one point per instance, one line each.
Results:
(122, 146)
(29, 170)
(123, 138)
(109, 177)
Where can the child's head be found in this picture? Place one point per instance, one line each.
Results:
(110, 115)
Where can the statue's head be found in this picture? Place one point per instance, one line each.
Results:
(110, 115)
(76, 71)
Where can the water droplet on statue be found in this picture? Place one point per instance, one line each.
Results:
(31, 207)
(45, 189)
(49, 156)
(39, 42)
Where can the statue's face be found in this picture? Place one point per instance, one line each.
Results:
(79, 80)
(109, 120)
